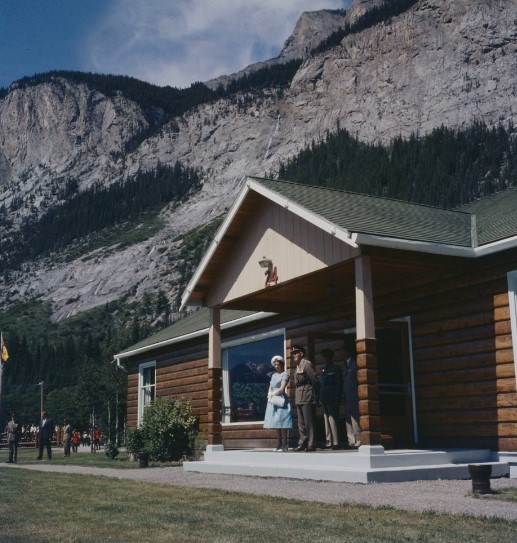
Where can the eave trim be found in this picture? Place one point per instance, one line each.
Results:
(437, 248)
(193, 335)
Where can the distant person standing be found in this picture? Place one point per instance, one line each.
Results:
(76, 439)
(67, 437)
(13, 431)
(353, 430)
(45, 433)
(97, 438)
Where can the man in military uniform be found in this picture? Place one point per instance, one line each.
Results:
(67, 437)
(305, 399)
(13, 430)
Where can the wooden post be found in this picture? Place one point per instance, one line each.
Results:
(215, 437)
(366, 346)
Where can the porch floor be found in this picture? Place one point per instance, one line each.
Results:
(365, 465)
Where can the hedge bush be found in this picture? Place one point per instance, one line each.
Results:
(168, 430)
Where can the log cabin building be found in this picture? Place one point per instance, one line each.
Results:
(428, 297)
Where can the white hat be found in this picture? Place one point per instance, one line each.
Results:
(277, 358)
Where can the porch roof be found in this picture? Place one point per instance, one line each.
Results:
(483, 227)
(495, 216)
(194, 325)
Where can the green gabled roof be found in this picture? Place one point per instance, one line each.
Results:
(491, 219)
(195, 322)
(378, 216)
(496, 216)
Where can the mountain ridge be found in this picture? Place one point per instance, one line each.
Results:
(438, 63)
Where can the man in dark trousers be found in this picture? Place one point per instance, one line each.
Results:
(46, 431)
(305, 398)
(13, 431)
(67, 437)
(353, 430)
(331, 390)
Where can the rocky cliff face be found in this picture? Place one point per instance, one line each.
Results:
(59, 130)
(442, 62)
(310, 30)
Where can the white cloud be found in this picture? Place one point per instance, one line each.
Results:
(177, 42)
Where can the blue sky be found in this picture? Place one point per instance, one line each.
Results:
(166, 42)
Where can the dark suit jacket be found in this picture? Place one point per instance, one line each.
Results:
(350, 381)
(46, 428)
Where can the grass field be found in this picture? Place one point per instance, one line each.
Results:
(41, 507)
(97, 459)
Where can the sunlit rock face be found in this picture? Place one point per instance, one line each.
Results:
(441, 62)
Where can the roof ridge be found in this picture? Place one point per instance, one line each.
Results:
(344, 191)
(481, 198)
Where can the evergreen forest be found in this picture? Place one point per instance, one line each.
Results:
(445, 168)
(83, 213)
(74, 357)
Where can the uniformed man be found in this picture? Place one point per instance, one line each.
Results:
(305, 398)
(13, 430)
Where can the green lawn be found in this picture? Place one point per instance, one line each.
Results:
(48, 507)
(97, 459)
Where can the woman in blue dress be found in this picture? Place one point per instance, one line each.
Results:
(279, 416)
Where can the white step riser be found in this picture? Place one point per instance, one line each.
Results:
(344, 475)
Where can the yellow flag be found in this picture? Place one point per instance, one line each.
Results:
(5, 354)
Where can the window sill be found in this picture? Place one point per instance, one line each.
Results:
(251, 423)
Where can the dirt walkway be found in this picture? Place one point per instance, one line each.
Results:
(439, 496)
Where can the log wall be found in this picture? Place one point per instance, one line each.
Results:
(462, 345)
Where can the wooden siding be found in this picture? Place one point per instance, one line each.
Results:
(462, 346)
(463, 358)
(180, 372)
(295, 247)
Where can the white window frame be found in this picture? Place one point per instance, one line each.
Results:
(226, 382)
(512, 301)
(141, 368)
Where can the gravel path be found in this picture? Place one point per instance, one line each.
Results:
(439, 496)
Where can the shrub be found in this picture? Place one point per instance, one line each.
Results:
(111, 450)
(168, 428)
(135, 441)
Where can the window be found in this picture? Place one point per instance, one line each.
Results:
(512, 298)
(146, 387)
(247, 371)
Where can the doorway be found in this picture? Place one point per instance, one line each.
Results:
(395, 376)
(395, 384)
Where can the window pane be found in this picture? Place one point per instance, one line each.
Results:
(249, 372)
(147, 395)
(148, 376)
(147, 388)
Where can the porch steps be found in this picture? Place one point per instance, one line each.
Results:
(362, 466)
(510, 458)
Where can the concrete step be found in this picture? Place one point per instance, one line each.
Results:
(349, 466)
(510, 458)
